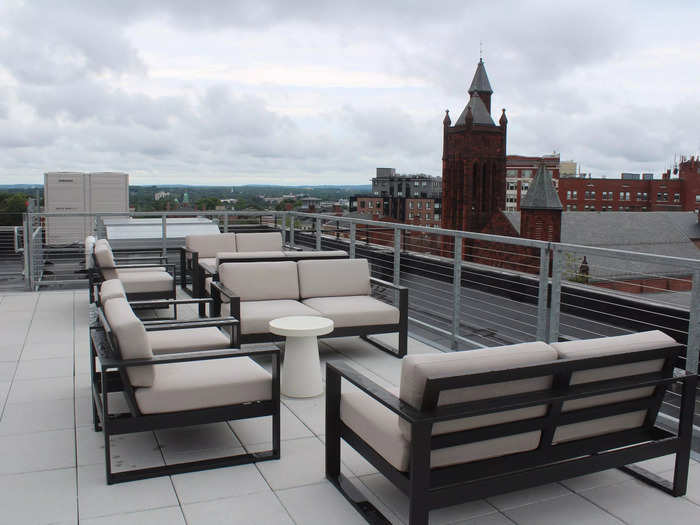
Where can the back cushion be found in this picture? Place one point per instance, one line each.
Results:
(89, 248)
(111, 289)
(207, 245)
(261, 281)
(608, 346)
(105, 259)
(259, 242)
(334, 278)
(417, 369)
(132, 339)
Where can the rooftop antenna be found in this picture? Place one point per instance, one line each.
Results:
(481, 51)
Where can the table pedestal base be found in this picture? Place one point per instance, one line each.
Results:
(301, 370)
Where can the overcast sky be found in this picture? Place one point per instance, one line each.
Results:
(306, 92)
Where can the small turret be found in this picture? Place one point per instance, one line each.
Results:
(469, 119)
(503, 121)
(446, 121)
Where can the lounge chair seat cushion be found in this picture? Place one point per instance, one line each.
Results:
(379, 427)
(314, 254)
(202, 384)
(256, 315)
(258, 242)
(110, 289)
(141, 282)
(187, 340)
(206, 245)
(207, 260)
(233, 256)
(354, 310)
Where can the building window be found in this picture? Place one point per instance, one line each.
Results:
(589, 195)
(410, 216)
(511, 186)
(524, 187)
(676, 197)
(665, 196)
(427, 216)
(568, 194)
(622, 195)
(362, 203)
(526, 173)
(436, 217)
(419, 204)
(645, 196)
(379, 204)
(512, 173)
(428, 205)
(575, 194)
(410, 205)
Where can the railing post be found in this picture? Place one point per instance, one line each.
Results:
(226, 222)
(318, 234)
(26, 223)
(542, 293)
(555, 306)
(353, 239)
(164, 235)
(693, 348)
(456, 289)
(397, 263)
(292, 222)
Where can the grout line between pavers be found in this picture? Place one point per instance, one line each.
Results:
(75, 422)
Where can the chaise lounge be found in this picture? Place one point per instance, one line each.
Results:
(469, 425)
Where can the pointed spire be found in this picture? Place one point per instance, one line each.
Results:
(480, 82)
(541, 195)
(446, 121)
(503, 120)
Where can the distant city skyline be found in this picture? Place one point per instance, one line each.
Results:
(272, 92)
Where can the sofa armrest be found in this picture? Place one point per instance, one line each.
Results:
(199, 355)
(387, 284)
(218, 290)
(156, 303)
(169, 324)
(337, 370)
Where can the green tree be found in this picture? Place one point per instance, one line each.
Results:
(208, 203)
(12, 206)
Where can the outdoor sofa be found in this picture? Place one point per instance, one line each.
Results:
(468, 425)
(215, 249)
(338, 289)
(142, 282)
(176, 374)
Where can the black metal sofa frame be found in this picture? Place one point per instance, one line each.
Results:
(113, 378)
(364, 331)
(429, 489)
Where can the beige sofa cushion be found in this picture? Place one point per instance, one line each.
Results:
(255, 315)
(89, 249)
(206, 245)
(111, 289)
(262, 280)
(258, 242)
(187, 340)
(132, 339)
(608, 346)
(417, 369)
(331, 278)
(105, 259)
(354, 310)
(381, 429)
(318, 255)
(146, 281)
(232, 256)
(201, 384)
(208, 260)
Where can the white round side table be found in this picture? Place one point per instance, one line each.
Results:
(301, 371)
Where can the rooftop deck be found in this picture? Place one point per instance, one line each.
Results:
(52, 462)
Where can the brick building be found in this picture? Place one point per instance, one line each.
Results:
(520, 171)
(410, 199)
(473, 160)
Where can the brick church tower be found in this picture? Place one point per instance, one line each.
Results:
(540, 209)
(473, 161)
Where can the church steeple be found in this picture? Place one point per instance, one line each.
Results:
(481, 85)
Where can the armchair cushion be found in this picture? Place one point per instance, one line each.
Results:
(202, 384)
(258, 242)
(381, 429)
(261, 281)
(208, 244)
(607, 346)
(333, 278)
(105, 259)
(354, 310)
(187, 340)
(132, 339)
(417, 369)
(256, 315)
(146, 281)
(111, 289)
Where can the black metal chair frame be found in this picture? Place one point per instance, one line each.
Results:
(364, 331)
(113, 378)
(440, 487)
